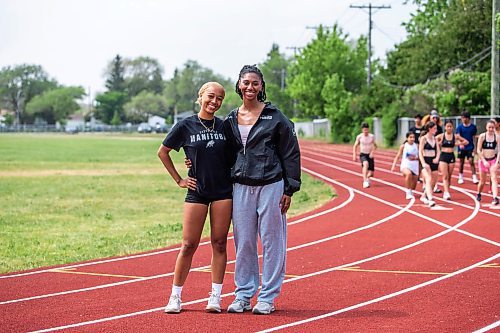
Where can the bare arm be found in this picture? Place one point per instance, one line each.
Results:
(354, 148)
(480, 147)
(438, 153)
(164, 155)
(498, 154)
(439, 138)
(461, 140)
(398, 155)
(421, 151)
(374, 148)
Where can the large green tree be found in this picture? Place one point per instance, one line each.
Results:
(144, 105)
(182, 90)
(275, 69)
(442, 35)
(20, 84)
(55, 105)
(329, 53)
(109, 104)
(115, 75)
(143, 74)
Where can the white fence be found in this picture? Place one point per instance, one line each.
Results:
(319, 128)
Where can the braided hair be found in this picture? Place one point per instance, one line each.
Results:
(261, 96)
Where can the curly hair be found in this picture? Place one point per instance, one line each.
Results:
(261, 96)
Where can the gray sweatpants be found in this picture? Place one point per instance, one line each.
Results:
(256, 211)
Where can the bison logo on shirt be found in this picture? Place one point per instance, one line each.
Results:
(210, 144)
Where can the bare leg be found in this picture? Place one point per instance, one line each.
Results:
(472, 165)
(443, 167)
(220, 219)
(494, 180)
(192, 226)
(365, 170)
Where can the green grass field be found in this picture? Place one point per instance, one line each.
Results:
(67, 198)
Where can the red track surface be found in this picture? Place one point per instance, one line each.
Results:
(367, 261)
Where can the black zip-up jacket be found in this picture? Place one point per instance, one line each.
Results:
(271, 152)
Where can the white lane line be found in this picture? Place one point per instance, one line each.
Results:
(49, 270)
(396, 173)
(424, 240)
(488, 328)
(444, 225)
(177, 248)
(382, 298)
(115, 284)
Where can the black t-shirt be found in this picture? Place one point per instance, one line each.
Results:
(417, 131)
(206, 147)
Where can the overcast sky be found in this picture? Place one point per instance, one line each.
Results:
(73, 40)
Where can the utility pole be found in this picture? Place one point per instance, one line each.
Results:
(370, 7)
(495, 70)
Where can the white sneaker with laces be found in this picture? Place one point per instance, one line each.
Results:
(474, 179)
(461, 179)
(263, 308)
(239, 306)
(423, 198)
(409, 195)
(174, 304)
(213, 303)
(446, 196)
(366, 184)
(431, 203)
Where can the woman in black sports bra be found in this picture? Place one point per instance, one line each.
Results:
(448, 141)
(428, 151)
(488, 160)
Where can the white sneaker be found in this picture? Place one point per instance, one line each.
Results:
(446, 196)
(239, 306)
(424, 199)
(474, 179)
(213, 303)
(174, 304)
(409, 195)
(431, 203)
(366, 184)
(263, 308)
(460, 179)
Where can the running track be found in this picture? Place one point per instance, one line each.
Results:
(367, 261)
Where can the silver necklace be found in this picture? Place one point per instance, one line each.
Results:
(210, 128)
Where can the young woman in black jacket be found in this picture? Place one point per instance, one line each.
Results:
(266, 173)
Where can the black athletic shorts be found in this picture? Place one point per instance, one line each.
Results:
(447, 157)
(193, 197)
(428, 160)
(366, 157)
(463, 154)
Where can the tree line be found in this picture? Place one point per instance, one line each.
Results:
(444, 63)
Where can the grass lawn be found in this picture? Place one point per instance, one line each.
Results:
(67, 198)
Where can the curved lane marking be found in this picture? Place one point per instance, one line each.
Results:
(424, 240)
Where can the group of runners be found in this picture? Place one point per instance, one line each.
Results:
(429, 151)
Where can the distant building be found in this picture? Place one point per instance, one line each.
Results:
(75, 122)
(154, 121)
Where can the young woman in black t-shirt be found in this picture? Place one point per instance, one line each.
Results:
(209, 189)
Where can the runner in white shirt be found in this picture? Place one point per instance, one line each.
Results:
(409, 163)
